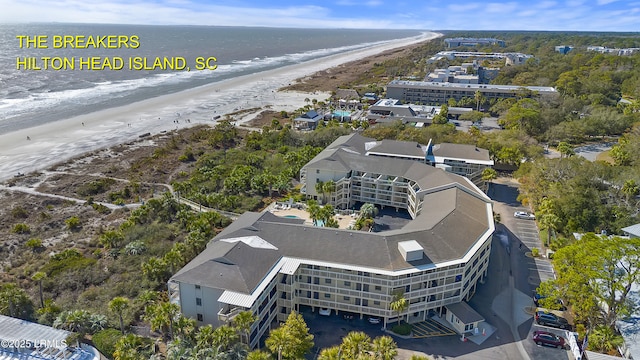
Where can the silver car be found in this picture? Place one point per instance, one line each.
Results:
(524, 215)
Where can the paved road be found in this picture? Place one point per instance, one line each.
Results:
(521, 236)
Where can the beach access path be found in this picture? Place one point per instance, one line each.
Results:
(37, 148)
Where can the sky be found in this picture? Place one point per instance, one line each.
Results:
(569, 15)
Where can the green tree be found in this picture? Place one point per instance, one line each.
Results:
(565, 149)
(595, 276)
(15, 302)
(330, 353)
(292, 339)
(243, 322)
(133, 347)
(398, 305)
(118, 305)
(39, 277)
(604, 339)
(488, 175)
(384, 348)
(355, 344)
(368, 211)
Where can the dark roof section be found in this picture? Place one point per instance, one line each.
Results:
(232, 266)
(398, 148)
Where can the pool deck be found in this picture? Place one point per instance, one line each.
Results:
(343, 220)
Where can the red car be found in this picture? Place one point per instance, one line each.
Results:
(546, 338)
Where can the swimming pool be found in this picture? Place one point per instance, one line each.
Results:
(341, 113)
(291, 217)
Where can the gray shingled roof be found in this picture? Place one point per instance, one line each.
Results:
(461, 151)
(398, 147)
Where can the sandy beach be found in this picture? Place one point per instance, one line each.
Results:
(36, 148)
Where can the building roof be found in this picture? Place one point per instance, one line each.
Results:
(42, 342)
(462, 152)
(632, 230)
(469, 87)
(465, 313)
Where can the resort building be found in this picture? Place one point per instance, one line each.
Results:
(272, 265)
(391, 110)
(564, 49)
(456, 42)
(438, 93)
(509, 58)
(388, 172)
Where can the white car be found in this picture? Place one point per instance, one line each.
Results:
(324, 312)
(374, 320)
(524, 215)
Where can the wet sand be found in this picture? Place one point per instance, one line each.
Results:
(62, 140)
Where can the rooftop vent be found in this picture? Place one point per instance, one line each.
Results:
(410, 250)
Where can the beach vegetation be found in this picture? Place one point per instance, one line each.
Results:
(95, 187)
(21, 228)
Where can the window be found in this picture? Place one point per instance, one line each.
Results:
(347, 283)
(197, 287)
(327, 281)
(327, 295)
(376, 302)
(200, 317)
(346, 298)
(378, 288)
(198, 301)
(317, 171)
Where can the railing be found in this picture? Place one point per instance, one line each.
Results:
(228, 316)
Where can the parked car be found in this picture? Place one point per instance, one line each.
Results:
(325, 312)
(549, 339)
(374, 320)
(524, 215)
(537, 297)
(551, 319)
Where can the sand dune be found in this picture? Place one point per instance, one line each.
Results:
(59, 141)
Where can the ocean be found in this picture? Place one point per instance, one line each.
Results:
(31, 97)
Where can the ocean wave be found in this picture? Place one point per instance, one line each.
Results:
(38, 98)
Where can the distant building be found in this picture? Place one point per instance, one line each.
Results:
(456, 42)
(564, 49)
(391, 110)
(433, 93)
(307, 121)
(614, 51)
(452, 74)
(510, 58)
(632, 231)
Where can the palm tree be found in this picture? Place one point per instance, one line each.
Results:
(355, 344)
(368, 211)
(238, 351)
(549, 222)
(223, 337)
(330, 353)
(565, 149)
(39, 276)
(384, 348)
(320, 189)
(398, 304)
(243, 322)
(488, 175)
(329, 187)
(118, 305)
(604, 338)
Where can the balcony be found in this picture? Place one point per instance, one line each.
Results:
(228, 313)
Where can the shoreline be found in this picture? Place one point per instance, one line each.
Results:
(62, 140)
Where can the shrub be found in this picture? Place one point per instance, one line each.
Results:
(95, 187)
(105, 341)
(535, 252)
(402, 329)
(19, 213)
(34, 243)
(21, 228)
(73, 223)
